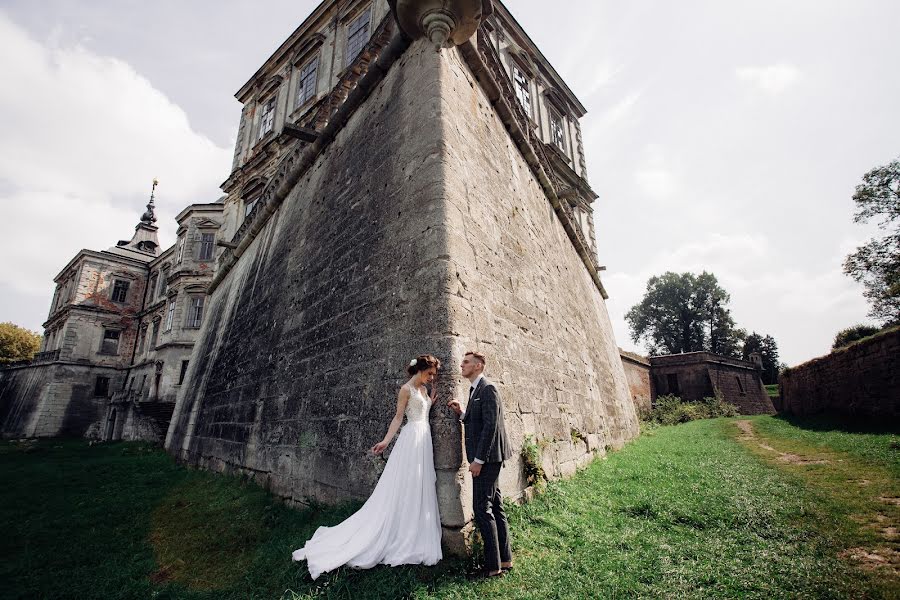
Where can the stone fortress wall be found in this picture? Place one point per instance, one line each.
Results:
(860, 380)
(419, 225)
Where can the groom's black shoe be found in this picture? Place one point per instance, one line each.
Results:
(485, 574)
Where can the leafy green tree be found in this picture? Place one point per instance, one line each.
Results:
(768, 350)
(851, 334)
(684, 312)
(877, 263)
(17, 343)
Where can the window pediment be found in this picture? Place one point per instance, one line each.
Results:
(270, 86)
(207, 224)
(306, 50)
(555, 97)
(353, 10)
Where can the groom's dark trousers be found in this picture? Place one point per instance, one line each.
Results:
(490, 518)
(486, 440)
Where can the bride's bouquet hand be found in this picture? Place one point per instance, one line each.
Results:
(379, 447)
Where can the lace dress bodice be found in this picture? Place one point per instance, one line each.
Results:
(418, 406)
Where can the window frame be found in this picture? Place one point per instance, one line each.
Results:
(525, 103)
(195, 312)
(103, 344)
(170, 314)
(211, 246)
(154, 334)
(555, 116)
(352, 34)
(105, 386)
(267, 117)
(114, 293)
(183, 372)
(300, 95)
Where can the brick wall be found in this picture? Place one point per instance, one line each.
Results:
(862, 379)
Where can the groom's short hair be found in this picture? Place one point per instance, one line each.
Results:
(477, 356)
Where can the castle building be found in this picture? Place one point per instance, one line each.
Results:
(409, 177)
(118, 337)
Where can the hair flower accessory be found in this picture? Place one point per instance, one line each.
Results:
(413, 362)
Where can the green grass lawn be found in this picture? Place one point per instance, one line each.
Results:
(688, 511)
(772, 390)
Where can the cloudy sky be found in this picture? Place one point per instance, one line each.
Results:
(725, 136)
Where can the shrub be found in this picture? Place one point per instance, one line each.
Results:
(671, 410)
(533, 464)
(853, 334)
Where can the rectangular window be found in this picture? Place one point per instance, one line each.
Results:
(101, 386)
(180, 250)
(557, 130)
(184, 366)
(267, 120)
(155, 337)
(523, 89)
(130, 383)
(170, 315)
(163, 284)
(306, 86)
(672, 382)
(142, 340)
(195, 314)
(143, 381)
(110, 343)
(152, 286)
(120, 290)
(207, 241)
(357, 35)
(740, 385)
(248, 207)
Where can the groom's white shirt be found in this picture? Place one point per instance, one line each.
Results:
(463, 415)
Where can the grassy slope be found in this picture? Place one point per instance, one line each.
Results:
(683, 512)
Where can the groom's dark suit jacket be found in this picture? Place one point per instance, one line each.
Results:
(485, 429)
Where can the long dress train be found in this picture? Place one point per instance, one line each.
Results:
(399, 524)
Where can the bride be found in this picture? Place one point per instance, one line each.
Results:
(399, 524)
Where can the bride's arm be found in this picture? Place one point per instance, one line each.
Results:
(396, 422)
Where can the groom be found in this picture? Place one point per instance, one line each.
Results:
(486, 449)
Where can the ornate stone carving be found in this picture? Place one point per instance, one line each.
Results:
(444, 22)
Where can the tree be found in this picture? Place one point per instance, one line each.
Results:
(684, 312)
(768, 350)
(851, 334)
(877, 263)
(17, 343)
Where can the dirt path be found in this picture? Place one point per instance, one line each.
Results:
(840, 476)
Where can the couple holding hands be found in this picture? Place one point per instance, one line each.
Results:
(400, 524)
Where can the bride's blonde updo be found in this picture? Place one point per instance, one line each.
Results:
(422, 363)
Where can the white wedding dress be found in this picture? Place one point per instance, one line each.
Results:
(399, 524)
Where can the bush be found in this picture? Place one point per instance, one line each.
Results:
(532, 462)
(853, 334)
(671, 410)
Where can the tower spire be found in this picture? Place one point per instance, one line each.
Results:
(149, 217)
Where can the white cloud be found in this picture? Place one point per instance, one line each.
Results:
(772, 79)
(83, 136)
(656, 177)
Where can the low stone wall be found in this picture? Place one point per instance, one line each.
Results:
(55, 399)
(697, 375)
(637, 374)
(862, 379)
